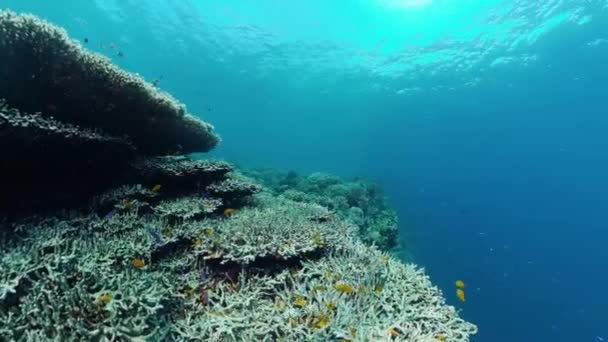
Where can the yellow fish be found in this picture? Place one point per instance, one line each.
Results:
(440, 338)
(228, 211)
(344, 288)
(321, 322)
(460, 294)
(208, 231)
(197, 243)
(138, 262)
(393, 332)
(156, 188)
(378, 289)
(330, 306)
(127, 204)
(104, 299)
(300, 302)
(459, 284)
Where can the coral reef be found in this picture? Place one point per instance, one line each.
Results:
(45, 160)
(109, 240)
(361, 202)
(43, 70)
(179, 173)
(88, 124)
(270, 272)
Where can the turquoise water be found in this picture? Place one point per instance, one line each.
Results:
(484, 120)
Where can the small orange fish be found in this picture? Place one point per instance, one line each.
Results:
(138, 262)
(378, 289)
(228, 211)
(127, 204)
(344, 288)
(197, 243)
(156, 188)
(321, 322)
(393, 332)
(104, 299)
(459, 284)
(300, 302)
(460, 294)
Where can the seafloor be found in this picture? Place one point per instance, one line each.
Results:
(109, 231)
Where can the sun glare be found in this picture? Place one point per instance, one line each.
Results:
(406, 3)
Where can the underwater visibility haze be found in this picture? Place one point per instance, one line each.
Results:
(484, 122)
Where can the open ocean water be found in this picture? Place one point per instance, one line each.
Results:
(486, 121)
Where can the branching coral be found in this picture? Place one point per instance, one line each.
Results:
(278, 232)
(359, 201)
(230, 189)
(280, 270)
(187, 208)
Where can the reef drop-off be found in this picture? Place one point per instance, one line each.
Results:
(109, 232)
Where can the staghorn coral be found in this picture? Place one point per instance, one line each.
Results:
(111, 199)
(359, 201)
(42, 70)
(231, 188)
(187, 208)
(180, 174)
(279, 271)
(280, 231)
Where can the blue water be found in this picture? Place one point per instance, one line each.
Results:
(485, 121)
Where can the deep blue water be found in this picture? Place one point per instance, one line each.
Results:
(499, 171)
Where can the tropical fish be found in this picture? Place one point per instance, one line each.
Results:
(156, 188)
(300, 302)
(127, 204)
(378, 289)
(197, 243)
(460, 294)
(104, 298)
(279, 304)
(86, 40)
(110, 214)
(440, 338)
(459, 284)
(393, 332)
(156, 236)
(344, 288)
(138, 262)
(228, 211)
(321, 322)
(208, 231)
(204, 297)
(330, 306)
